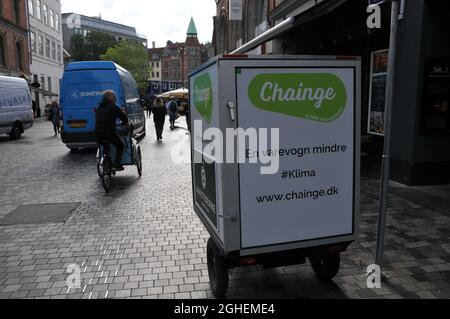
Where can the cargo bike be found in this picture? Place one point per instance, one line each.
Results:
(294, 194)
(131, 156)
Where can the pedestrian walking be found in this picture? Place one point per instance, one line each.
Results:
(149, 109)
(173, 110)
(55, 117)
(47, 112)
(159, 117)
(188, 117)
(34, 109)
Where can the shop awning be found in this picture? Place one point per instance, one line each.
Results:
(315, 12)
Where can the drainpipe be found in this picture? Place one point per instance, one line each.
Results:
(30, 55)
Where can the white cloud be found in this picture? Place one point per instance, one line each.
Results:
(158, 20)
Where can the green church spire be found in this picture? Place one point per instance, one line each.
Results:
(192, 30)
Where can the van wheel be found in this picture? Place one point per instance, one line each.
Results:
(16, 131)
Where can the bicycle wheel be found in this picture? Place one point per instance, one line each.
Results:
(139, 161)
(106, 173)
(99, 167)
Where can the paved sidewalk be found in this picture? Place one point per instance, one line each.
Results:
(144, 241)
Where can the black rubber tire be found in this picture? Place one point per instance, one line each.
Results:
(217, 270)
(106, 175)
(326, 267)
(16, 131)
(74, 150)
(98, 170)
(139, 161)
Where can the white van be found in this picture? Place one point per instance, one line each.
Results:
(16, 111)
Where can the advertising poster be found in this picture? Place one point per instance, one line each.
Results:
(377, 103)
(204, 96)
(205, 189)
(312, 194)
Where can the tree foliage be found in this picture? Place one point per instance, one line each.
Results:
(132, 56)
(91, 46)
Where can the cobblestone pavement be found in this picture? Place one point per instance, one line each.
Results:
(144, 241)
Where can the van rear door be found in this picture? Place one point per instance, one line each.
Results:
(83, 91)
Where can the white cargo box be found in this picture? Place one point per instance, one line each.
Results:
(298, 186)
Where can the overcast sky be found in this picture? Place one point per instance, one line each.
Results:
(158, 20)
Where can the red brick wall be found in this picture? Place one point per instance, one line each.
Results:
(12, 34)
(8, 15)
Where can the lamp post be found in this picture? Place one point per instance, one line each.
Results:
(390, 92)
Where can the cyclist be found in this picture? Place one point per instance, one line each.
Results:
(105, 128)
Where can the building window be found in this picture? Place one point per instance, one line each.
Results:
(31, 7)
(45, 9)
(33, 42)
(38, 10)
(43, 82)
(57, 22)
(2, 51)
(49, 87)
(19, 56)
(47, 48)
(157, 74)
(52, 19)
(16, 11)
(59, 53)
(153, 74)
(40, 45)
(53, 50)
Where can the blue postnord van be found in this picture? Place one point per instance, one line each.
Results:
(82, 88)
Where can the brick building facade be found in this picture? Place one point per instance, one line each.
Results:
(171, 65)
(14, 52)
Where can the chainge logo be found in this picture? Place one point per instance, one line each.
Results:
(203, 98)
(318, 97)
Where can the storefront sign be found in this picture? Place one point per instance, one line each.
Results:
(377, 103)
(235, 10)
(436, 111)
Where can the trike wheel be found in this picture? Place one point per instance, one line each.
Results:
(326, 267)
(217, 270)
(99, 170)
(139, 161)
(106, 172)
